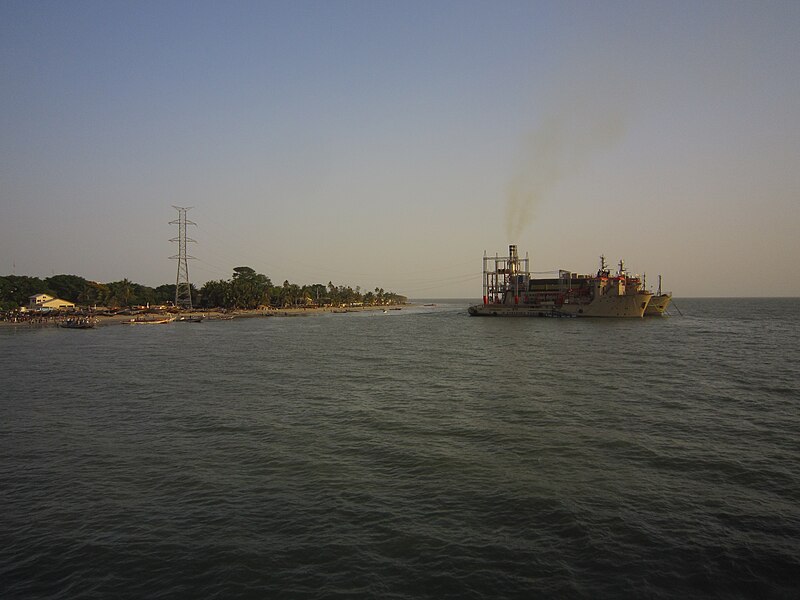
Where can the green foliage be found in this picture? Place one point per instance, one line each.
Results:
(215, 293)
(166, 293)
(120, 294)
(94, 294)
(17, 289)
(246, 289)
(66, 287)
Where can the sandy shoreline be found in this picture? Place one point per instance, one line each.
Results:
(212, 315)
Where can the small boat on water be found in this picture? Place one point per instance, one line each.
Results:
(77, 323)
(191, 319)
(143, 321)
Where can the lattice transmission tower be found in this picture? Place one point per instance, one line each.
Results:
(183, 289)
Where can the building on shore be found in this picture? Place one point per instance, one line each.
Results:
(47, 302)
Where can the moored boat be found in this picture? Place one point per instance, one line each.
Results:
(77, 323)
(144, 321)
(191, 319)
(659, 303)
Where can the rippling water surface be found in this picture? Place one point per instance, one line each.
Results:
(415, 454)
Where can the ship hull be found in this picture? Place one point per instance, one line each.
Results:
(658, 305)
(520, 310)
(630, 306)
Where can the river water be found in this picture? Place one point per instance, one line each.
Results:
(418, 453)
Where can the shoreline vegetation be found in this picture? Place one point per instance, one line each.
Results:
(246, 294)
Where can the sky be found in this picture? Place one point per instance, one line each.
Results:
(392, 144)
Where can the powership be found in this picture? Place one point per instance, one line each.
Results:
(510, 291)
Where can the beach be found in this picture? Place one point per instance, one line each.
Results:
(53, 320)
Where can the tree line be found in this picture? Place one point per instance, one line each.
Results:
(246, 289)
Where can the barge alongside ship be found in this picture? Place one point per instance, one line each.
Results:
(510, 291)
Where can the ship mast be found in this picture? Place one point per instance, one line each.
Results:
(603, 270)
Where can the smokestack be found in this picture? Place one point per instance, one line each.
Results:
(513, 259)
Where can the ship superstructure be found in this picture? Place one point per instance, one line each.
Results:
(509, 290)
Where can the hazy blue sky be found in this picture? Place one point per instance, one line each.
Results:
(392, 143)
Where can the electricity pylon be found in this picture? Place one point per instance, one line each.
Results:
(183, 289)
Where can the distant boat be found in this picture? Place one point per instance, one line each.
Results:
(75, 323)
(193, 319)
(143, 321)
